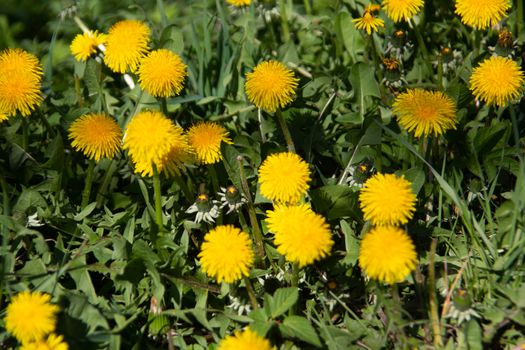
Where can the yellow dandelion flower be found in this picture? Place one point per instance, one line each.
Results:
(497, 81)
(387, 199)
(34, 307)
(153, 139)
(96, 135)
(84, 45)
(226, 254)
(425, 112)
(53, 342)
(162, 73)
(284, 177)
(20, 77)
(205, 138)
(239, 3)
(271, 85)
(387, 254)
(180, 153)
(398, 10)
(481, 14)
(126, 44)
(369, 23)
(301, 235)
(246, 340)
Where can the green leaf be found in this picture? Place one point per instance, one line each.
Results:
(299, 327)
(231, 164)
(282, 300)
(335, 201)
(364, 84)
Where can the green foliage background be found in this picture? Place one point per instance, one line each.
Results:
(100, 265)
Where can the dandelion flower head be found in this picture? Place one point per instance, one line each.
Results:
(425, 112)
(284, 177)
(205, 138)
(162, 73)
(20, 77)
(126, 44)
(96, 135)
(271, 85)
(481, 14)
(301, 235)
(369, 22)
(151, 140)
(84, 45)
(239, 3)
(497, 81)
(226, 254)
(53, 342)
(387, 254)
(34, 307)
(402, 10)
(387, 199)
(246, 340)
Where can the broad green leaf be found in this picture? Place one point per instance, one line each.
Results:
(282, 300)
(299, 327)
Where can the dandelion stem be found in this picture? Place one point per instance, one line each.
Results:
(286, 132)
(87, 186)
(257, 235)
(434, 318)
(307, 7)
(260, 118)
(251, 293)
(423, 48)
(284, 21)
(214, 178)
(6, 206)
(163, 106)
(188, 194)
(105, 182)
(158, 199)
(295, 284)
(25, 134)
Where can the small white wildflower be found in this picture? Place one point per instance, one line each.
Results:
(207, 210)
(231, 197)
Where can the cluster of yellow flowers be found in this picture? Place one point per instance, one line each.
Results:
(387, 201)
(31, 318)
(151, 139)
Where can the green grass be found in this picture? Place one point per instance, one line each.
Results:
(103, 263)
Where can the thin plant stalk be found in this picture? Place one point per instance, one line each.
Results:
(295, 284)
(163, 105)
(6, 203)
(434, 317)
(213, 177)
(188, 194)
(102, 191)
(286, 132)
(307, 7)
(89, 182)
(25, 134)
(257, 235)
(158, 199)
(284, 21)
(260, 118)
(251, 293)
(423, 48)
